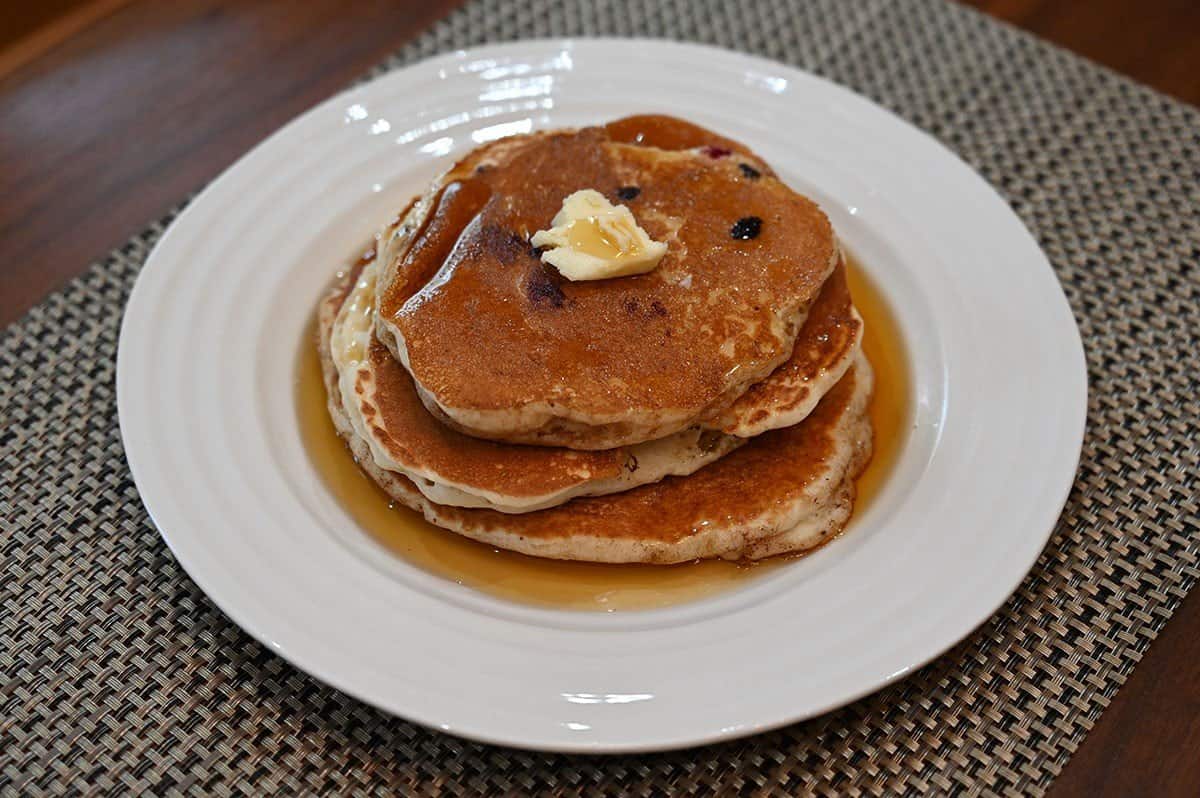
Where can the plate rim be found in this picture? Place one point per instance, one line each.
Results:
(138, 464)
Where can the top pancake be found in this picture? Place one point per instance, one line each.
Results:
(500, 346)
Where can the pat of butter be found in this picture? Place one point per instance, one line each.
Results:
(592, 239)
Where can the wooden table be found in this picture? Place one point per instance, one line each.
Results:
(112, 110)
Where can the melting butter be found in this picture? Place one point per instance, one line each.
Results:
(592, 239)
(351, 341)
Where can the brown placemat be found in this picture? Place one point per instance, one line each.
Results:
(117, 674)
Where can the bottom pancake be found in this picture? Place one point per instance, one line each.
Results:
(785, 491)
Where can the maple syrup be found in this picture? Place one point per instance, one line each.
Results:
(891, 402)
(587, 586)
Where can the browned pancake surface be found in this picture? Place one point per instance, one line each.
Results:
(770, 470)
(672, 133)
(488, 327)
(750, 489)
(401, 424)
(828, 339)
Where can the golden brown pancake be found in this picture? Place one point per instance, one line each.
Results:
(784, 491)
(671, 133)
(500, 346)
(454, 469)
(451, 468)
(824, 351)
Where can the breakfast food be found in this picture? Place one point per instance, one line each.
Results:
(448, 467)
(628, 343)
(501, 345)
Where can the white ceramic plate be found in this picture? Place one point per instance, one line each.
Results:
(205, 379)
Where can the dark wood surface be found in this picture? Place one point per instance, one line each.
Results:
(112, 110)
(1154, 41)
(104, 130)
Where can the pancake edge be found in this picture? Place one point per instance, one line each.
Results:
(444, 491)
(757, 540)
(547, 423)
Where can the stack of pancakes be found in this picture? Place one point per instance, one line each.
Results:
(713, 407)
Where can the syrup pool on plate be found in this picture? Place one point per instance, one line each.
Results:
(588, 586)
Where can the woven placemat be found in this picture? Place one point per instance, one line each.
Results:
(117, 674)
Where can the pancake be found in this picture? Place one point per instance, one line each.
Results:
(500, 346)
(824, 351)
(380, 401)
(787, 490)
